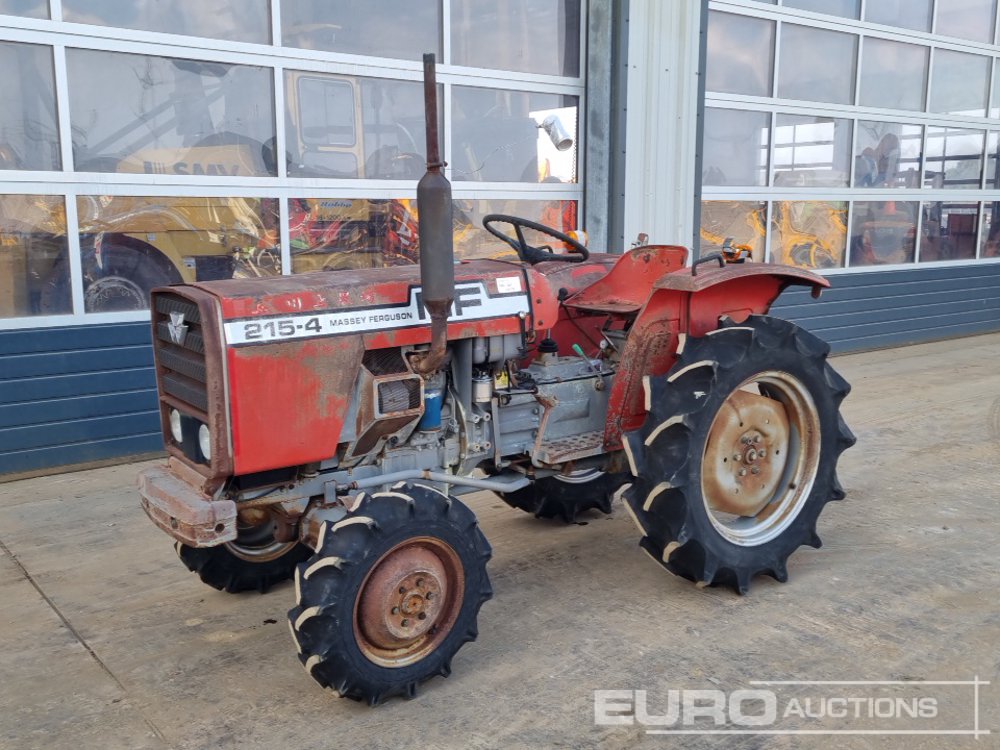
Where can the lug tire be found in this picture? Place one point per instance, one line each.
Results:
(223, 570)
(554, 497)
(335, 584)
(668, 499)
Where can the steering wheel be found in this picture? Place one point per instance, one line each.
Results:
(526, 252)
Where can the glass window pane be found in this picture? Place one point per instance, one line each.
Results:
(992, 159)
(883, 232)
(740, 54)
(959, 83)
(995, 102)
(379, 28)
(344, 126)
(232, 20)
(948, 231)
(809, 234)
(29, 131)
(28, 8)
(129, 245)
(512, 136)
(744, 221)
(906, 14)
(735, 147)
(893, 74)
(812, 151)
(953, 158)
(34, 259)
(157, 115)
(532, 36)
(472, 241)
(845, 8)
(887, 154)
(966, 19)
(805, 71)
(989, 243)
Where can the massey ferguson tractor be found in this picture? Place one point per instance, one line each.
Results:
(322, 426)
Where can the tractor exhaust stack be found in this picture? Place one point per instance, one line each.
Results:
(434, 216)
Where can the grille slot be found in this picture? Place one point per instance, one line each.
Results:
(398, 395)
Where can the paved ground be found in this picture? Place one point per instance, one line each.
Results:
(107, 642)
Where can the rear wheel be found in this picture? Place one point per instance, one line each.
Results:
(738, 454)
(392, 593)
(565, 496)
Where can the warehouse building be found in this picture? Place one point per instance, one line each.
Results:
(146, 142)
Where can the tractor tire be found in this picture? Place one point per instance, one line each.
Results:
(244, 565)
(566, 496)
(392, 593)
(738, 454)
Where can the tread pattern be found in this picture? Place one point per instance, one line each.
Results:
(221, 569)
(327, 586)
(665, 454)
(552, 498)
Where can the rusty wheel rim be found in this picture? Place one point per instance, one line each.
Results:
(761, 458)
(409, 602)
(256, 543)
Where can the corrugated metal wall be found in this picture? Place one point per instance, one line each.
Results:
(892, 308)
(75, 395)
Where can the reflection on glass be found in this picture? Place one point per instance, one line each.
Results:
(811, 151)
(906, 14)
(887, 154)
(472, 241)
(805, 71)
(497, 136)
(995, 99)
(158, 115)
(232, 20)
(992, 159)
(378, 28)
(744, 221)
(809, 234)
(989, 242)
(129, 245)
(341, 233)
(948, 231)
(34, 259)
(735, 147)
(953, 158)
(966, 19)
(893, 74)
(343, 126)
(883, 232)
(959, 83)
(29, 132)
(28, 8)
(845, 8)
(740, 54)
(531, 36)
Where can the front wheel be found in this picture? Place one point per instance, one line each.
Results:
(738, 453)
(392, 593)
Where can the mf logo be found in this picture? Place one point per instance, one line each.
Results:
(178, 331)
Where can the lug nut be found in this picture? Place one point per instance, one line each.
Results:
(395, 610)
(422, 616)
(429, 595)
(743, 472)
(762, 453)
(756, 438)
(405, 622)
(755, 470)
(402, 589)
(420, 583)
(737, 457)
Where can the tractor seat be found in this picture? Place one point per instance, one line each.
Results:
(626, 287)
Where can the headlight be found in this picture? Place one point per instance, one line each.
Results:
(205, 442)
(175, 426)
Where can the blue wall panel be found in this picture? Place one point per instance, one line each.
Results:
(88, 393)
(77, 394)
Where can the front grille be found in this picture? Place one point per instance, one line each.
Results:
(398, 395)
(180, 350)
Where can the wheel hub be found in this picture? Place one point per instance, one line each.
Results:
(409, 602)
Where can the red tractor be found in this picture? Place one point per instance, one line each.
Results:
(320, 427)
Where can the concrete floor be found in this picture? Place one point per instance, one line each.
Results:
(107, 642)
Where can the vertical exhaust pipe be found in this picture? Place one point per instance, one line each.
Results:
(434, 220)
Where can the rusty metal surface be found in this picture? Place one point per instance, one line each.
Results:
(626, 287)
(707, 277)
(179, 510)
(571, 448)
(409, 602)
(746, 453)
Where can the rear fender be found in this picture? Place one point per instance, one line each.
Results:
(681, 305)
